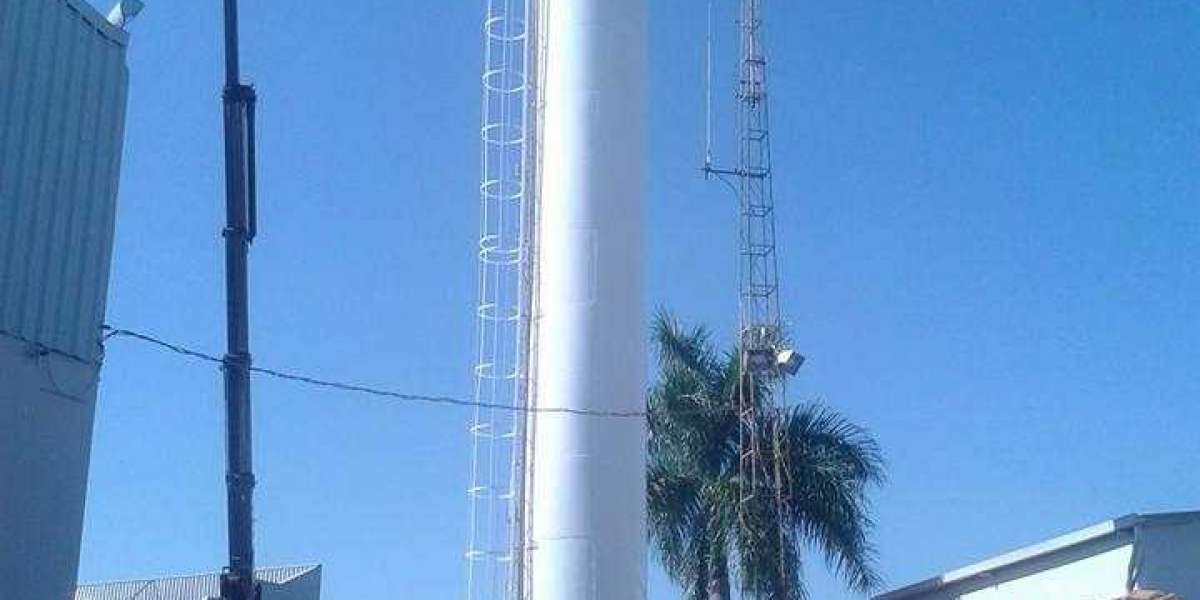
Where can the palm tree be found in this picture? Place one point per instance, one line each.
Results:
(822, 464)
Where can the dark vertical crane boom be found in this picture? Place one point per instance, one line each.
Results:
(237, 582)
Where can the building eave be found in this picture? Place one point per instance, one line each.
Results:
(93, 17)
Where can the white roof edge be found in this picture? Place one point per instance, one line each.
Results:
(301, 570)
(93, 16)
(1062, 542)
(1055, 544)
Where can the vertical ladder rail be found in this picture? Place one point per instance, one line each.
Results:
(523, 469)
(495, 494)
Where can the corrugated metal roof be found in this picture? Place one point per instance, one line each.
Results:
(193, 587)
(62, 121)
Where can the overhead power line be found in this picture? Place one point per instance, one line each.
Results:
(112, 332)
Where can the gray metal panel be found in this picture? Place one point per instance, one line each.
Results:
(1167, 555)
(62, 120)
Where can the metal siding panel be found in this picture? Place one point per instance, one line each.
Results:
(29, 165)
(48, 165)
(104, 269)
(95, 240)
(33, 168)
(85, 159)
(58, 336)
(11, 21)
(19, 123)
(61, 130)
(17, 21)
(61, 199)
(99, 251)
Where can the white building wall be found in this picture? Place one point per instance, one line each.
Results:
(62, 109)
(1099, 577)
(46, 406)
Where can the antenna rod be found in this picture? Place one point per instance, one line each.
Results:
(237, 582)
(708, 169)
(708, 128)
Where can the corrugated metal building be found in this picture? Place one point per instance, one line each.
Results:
(280, 583)
(1103, 562)
(62, 119)
(63, 84)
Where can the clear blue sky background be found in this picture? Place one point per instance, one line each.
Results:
(990, 245)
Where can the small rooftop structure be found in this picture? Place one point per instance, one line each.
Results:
(1122, 559)
(278, 583)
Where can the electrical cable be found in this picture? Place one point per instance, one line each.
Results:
(112, 332)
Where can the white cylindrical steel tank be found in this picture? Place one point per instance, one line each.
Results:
(588, 477)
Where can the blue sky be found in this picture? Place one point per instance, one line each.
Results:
(989, 238)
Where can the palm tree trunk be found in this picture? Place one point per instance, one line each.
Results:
(718, 580)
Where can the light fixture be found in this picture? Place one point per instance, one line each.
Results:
(124, 12)
(788, 360)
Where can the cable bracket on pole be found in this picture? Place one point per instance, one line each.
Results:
(241, 481)
(237, 361)
(239, 94)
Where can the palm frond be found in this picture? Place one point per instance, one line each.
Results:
(675, 510)
(831, 463)
(679, 347)
(700, 526)
(769, 561)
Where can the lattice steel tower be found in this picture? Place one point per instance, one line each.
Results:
(765, 358)
(758, 271)
(501, 372)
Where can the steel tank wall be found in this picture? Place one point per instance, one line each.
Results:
(62, 109)
(588, 473)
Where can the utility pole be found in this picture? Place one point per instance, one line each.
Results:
(237, 582)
